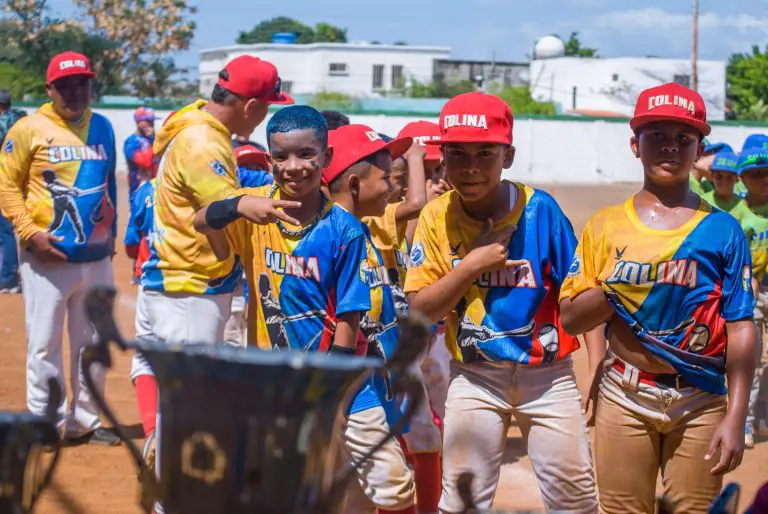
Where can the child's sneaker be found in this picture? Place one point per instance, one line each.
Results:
(10, 290)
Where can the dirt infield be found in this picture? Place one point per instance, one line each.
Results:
(99, 480)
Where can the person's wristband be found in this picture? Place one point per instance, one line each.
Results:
(222, 213)
(341, 350)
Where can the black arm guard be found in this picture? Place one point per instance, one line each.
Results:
(222, 213)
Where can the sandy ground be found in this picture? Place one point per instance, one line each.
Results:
(99, 480)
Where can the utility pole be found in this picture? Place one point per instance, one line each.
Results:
(695, 54)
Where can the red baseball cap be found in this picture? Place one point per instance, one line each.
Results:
(250, 77)
(421, 132)
(475, 118)
(249, 155)
(671, 102)
(353, 143)
(68, 64)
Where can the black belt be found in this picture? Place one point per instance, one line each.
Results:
(672, 381)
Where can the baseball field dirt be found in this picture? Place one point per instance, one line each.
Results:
(97, 480)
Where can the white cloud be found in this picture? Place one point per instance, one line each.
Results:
(659, 19)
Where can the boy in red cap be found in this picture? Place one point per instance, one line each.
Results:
(671, 278)
(358, 180)
(57, 188)
(490, 256)
(408, 195)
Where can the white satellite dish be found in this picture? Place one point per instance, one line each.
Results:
(549, 47)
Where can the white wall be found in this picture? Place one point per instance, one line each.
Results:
(307, 66)
(548, 151)
(554, 79)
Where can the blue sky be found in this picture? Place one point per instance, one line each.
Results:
(477, 29)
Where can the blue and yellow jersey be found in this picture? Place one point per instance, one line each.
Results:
(298, 285)
(59, 177)
(389, 240)
(675, 288)
(380, 330)
(140, 221)
(754, 222)
(197, 166)
(506, 315)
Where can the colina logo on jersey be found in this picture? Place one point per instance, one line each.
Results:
(58, 154)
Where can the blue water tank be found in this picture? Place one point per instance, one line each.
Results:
(284, 38)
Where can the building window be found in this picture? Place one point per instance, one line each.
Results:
(683, 80)
(378, 77)
(398, 80)
(615, 77)
(338, 68)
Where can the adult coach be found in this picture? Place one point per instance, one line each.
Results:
(186, 291)
(57, 187)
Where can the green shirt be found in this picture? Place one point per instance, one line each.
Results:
(754, 222)
(736, 206)
(705, 186)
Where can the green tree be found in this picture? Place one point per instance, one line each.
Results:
(20, 82)
(262, 33)
(747, 81)
(520, 100)
(438, 89)
(327, 33)
(332, 100)
(321, 33)
(573, 47)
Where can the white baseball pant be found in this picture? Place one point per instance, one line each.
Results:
(545, 401)
(178, 318)
(384, 481)
(436, 368)
(234, 330)
(51, 292)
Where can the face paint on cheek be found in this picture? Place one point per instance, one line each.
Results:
(315, 165)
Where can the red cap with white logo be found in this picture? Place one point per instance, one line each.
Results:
(475, 118)
(68, 64)
(353, 143)
(250, 77)
(421, 132)
(249, 156)
(671, 102)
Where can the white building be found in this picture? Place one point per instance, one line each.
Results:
(605, 86)
(360, 69)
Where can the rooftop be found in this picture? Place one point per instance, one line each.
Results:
(357, 46)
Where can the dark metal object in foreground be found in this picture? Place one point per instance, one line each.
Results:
(247, 431)
(25, 439)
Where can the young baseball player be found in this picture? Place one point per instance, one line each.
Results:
(253, 167)
(140, 222)
(308, 284)
(671, 277)
(407, 197)
(138, 148)
(700, 178)
(57, 187)
(753, 168)
(335, 119)
(490, 256)
(725, 176)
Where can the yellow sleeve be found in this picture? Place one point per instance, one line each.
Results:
(238, 236)
(759, 262)
(14, 173)
(425, 261)
(209, 173)
(585, 268)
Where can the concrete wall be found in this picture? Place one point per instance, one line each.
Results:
(548, 151)
(614, 84)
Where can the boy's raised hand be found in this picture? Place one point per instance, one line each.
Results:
(265, 210)
(489, 251)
